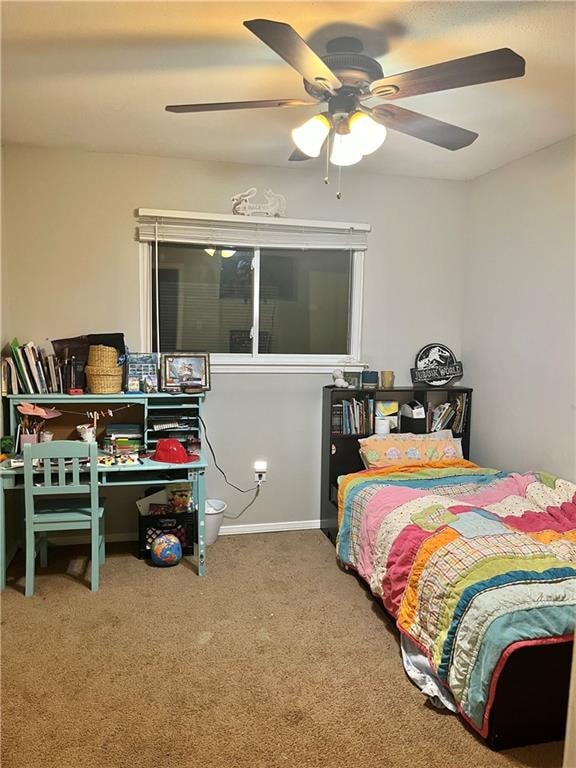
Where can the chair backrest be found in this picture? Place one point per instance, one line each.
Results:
(58, 472)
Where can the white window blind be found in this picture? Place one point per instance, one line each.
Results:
(159, 230)
(252, 231)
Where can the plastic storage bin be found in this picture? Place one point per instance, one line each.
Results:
(214, 511)
(181, 525)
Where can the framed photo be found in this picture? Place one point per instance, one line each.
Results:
(353, 378)
(185, 371)
(142, 372)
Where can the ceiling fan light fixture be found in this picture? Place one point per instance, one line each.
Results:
(225, 253)
(311, 135)
(368, 134)
(345, 150)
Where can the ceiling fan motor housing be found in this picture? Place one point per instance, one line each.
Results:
(354, 69)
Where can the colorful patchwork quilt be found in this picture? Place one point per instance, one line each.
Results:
(471, 562)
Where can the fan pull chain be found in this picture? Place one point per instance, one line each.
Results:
(327, 177)
(339, 192)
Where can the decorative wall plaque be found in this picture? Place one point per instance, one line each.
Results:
(435, 364)
(244, 205)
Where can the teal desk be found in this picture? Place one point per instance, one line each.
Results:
(148, 473)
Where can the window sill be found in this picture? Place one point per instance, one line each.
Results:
(280, 366)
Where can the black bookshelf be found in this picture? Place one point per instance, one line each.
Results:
(340, 449)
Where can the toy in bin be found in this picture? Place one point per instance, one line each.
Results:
(179, 497)
(165, 550)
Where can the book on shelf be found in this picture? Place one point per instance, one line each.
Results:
(10, 384)
(461, 407)
(388, 410)
(42, 377)
(22, 369)
(4, 388)
(53, 370)
(45, 370)
(31, 358)
(337, 424)
(128, 431)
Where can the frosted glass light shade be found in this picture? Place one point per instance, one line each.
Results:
(310, 136)
(345, 150)
(368, 134)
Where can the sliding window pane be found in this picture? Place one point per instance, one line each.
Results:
(304, 301)
(205, 298)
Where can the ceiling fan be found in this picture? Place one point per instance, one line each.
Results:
(345, 78)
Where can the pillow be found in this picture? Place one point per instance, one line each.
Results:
(440, 434)
(405, 449)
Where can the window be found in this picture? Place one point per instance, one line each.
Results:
(279, 293)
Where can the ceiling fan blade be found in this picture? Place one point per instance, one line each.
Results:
(298, 155)
(218, 106)
(501, 64)
(422, 127)
(288, 44)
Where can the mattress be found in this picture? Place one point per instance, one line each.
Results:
(471, 562)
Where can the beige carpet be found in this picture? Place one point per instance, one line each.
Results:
(276, 658)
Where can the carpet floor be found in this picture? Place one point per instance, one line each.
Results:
(276, 658)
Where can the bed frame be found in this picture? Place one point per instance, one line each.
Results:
(531, 701)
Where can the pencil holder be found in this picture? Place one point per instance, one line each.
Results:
(28, 439)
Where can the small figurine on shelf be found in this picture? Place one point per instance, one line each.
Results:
(339, 380)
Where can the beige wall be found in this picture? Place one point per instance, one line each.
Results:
(519, 325)
(499, 272)
(71, 267)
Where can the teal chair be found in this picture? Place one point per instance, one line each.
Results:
(57, 498)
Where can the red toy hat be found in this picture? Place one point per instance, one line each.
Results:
(171, 451)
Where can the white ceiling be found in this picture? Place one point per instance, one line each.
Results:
(96, 76)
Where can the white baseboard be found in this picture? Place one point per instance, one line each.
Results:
(294, 525)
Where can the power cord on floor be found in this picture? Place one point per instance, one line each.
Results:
(256, 488)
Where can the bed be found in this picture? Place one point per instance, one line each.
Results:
(477, 568)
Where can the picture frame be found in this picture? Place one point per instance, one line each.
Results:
(142, 372)
(185, 372)
(353, 379)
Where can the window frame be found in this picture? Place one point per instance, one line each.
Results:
(258, 362)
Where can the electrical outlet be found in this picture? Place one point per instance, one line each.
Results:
(260, 470)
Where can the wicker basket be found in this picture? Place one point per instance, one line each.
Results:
(100, 356)
(104, 381)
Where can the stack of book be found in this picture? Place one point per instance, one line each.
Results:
(123, 438)
(442, 415)
(352, 417)
(30, 370)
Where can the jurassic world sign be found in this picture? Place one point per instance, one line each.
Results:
(435, 364)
